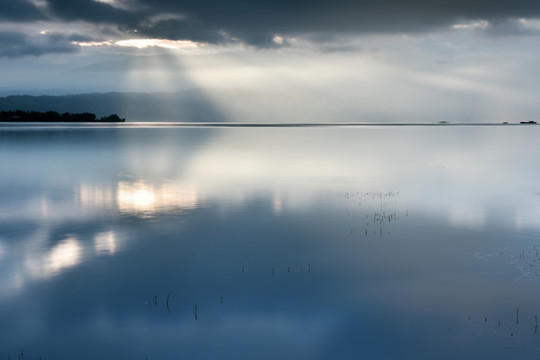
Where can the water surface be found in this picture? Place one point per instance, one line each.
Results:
(269, 243)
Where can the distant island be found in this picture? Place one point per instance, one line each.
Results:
(53, 116)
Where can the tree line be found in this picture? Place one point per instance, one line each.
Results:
(53, 116)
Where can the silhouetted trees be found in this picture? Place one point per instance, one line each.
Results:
(112, 118)
(53, 116)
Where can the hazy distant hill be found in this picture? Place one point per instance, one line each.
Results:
(196, 105)
(187, 105)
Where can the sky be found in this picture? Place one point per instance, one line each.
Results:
(460, 61)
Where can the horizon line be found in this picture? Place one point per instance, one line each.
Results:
(142, 124)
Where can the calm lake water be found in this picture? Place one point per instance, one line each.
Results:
(270, 243)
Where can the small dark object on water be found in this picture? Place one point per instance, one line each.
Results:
(528, 122)
(167, 302)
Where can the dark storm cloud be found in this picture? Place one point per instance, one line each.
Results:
(94, 12)
(18, 44)
(79, 38)
(240, 17)
(258, 22)
(16, 10)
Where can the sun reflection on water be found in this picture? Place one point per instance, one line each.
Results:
(144, 199)
(45, 255)
(95, 195)
(139, 198)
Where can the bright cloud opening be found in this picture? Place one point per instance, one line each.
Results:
(144, 43)
(167, 44)
(278, 40)
(93, 43)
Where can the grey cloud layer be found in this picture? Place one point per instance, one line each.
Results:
(16, 10)
(257, 22)
(14, 44)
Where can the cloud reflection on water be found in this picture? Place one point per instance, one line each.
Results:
(64, 255)
(40, 257)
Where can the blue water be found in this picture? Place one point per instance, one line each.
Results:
(269, 243)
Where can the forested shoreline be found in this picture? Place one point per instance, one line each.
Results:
(54, 116)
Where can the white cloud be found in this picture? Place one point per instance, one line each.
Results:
(482, 24)
(162, 17)
(93, 43)
(119, 4)
(40, 4)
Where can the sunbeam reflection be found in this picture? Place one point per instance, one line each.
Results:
(146, 200)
